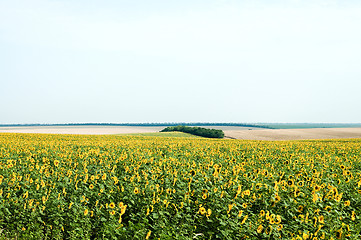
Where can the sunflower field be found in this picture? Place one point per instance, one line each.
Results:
(137, 187)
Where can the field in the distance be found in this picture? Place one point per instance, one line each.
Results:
(294, 134)
(247, 133)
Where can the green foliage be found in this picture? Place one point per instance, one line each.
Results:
(198, 131)
(131, 187)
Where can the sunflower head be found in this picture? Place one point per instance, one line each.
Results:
(300, 208)
(290, 182)
(260, 229)
(202, 210)
(339, 234)
(262, 213)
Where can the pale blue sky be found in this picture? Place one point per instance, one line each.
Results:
(180, 61)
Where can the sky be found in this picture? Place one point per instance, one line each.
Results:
(120, 61)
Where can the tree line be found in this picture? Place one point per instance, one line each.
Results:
(198, 131)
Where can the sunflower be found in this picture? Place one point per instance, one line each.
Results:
(202, 210)
(136, 190)
(123, 208)
(204, 196)
(148, 235)
(244, 219)
(91, 186)
(230, 206)
(209, 212)
(268, 230)
(338, 197)
(279, 219)
(317, 188)
(353, 216)
(104, 176)
(339, 234)
(56, 163)
(112, 205)
(321, 219)
(300, 183)
(247, 192)
(112, 212)
(262, 213)
(300, 208)
(314, 197)
(86, 211)
(290, 182)
(328, 208)
(279, 227)
(260, 229)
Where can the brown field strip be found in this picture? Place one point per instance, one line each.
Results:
(294, 134)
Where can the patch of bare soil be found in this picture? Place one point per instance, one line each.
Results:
(294, 134)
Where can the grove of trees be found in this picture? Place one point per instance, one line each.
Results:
(198, 131)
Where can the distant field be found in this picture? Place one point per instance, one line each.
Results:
(308, 125)
(295, 134)
(248, 133)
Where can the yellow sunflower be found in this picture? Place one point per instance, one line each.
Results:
(202, 210)
(260, 229)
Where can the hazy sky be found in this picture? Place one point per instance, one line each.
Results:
(180, 61)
